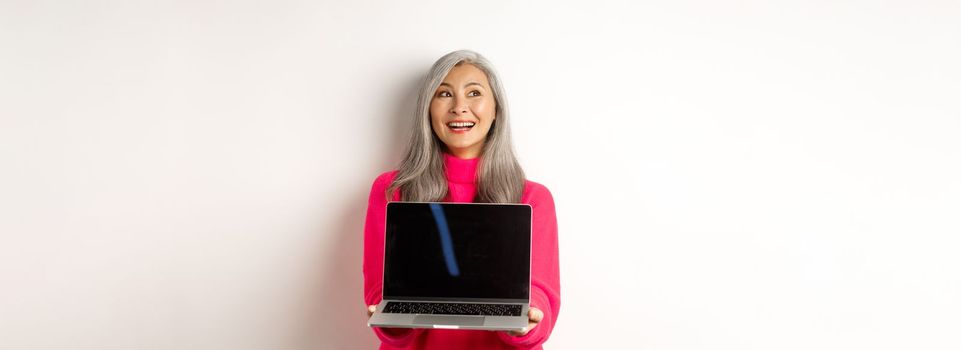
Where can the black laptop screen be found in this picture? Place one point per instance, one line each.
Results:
(451, 250)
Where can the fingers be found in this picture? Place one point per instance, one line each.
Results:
(535, 315)
(370, 310)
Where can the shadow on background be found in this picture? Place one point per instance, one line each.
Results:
(335, 311)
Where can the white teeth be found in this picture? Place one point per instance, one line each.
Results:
(460, 124)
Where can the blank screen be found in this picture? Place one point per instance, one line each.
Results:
(457, 250)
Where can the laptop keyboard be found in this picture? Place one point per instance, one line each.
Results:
(397, 307)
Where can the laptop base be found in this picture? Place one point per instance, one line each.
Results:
(491, 323)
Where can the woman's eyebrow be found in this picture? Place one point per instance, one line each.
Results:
(465, 85)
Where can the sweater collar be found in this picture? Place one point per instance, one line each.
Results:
(460, 170)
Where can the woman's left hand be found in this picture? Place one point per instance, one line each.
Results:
(534, 316)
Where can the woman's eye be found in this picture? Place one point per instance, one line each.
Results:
(474, 93)
(444, 94)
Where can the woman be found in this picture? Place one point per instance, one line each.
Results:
(460, 150)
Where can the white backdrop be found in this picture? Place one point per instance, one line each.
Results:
(739, 175)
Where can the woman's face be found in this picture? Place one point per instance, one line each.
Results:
(462, 110)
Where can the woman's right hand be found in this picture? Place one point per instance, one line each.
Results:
(370, 310)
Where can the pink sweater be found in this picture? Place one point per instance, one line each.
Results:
(545, 278)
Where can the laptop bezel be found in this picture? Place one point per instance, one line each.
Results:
(530, 252)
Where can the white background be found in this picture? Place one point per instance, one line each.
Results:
(728, 175)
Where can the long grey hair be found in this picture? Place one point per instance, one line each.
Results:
(421, 176)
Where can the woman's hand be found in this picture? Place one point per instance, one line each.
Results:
(534, 316)
(370, 310)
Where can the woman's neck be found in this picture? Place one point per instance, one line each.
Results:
(467, 152)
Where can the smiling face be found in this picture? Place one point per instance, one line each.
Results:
(462, 111)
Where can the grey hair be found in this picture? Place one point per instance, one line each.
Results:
(421, 176)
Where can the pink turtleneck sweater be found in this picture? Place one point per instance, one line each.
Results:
(545, 278)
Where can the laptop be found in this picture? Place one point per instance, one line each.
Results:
(456, 266)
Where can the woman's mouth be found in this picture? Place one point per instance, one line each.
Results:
(460, 127)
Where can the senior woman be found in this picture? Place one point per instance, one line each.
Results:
(460, 150)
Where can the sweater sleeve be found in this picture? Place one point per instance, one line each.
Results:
(374, 260)
(545, 269)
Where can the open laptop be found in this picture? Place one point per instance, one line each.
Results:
(456, 266)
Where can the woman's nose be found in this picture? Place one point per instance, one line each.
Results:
(459, 108)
